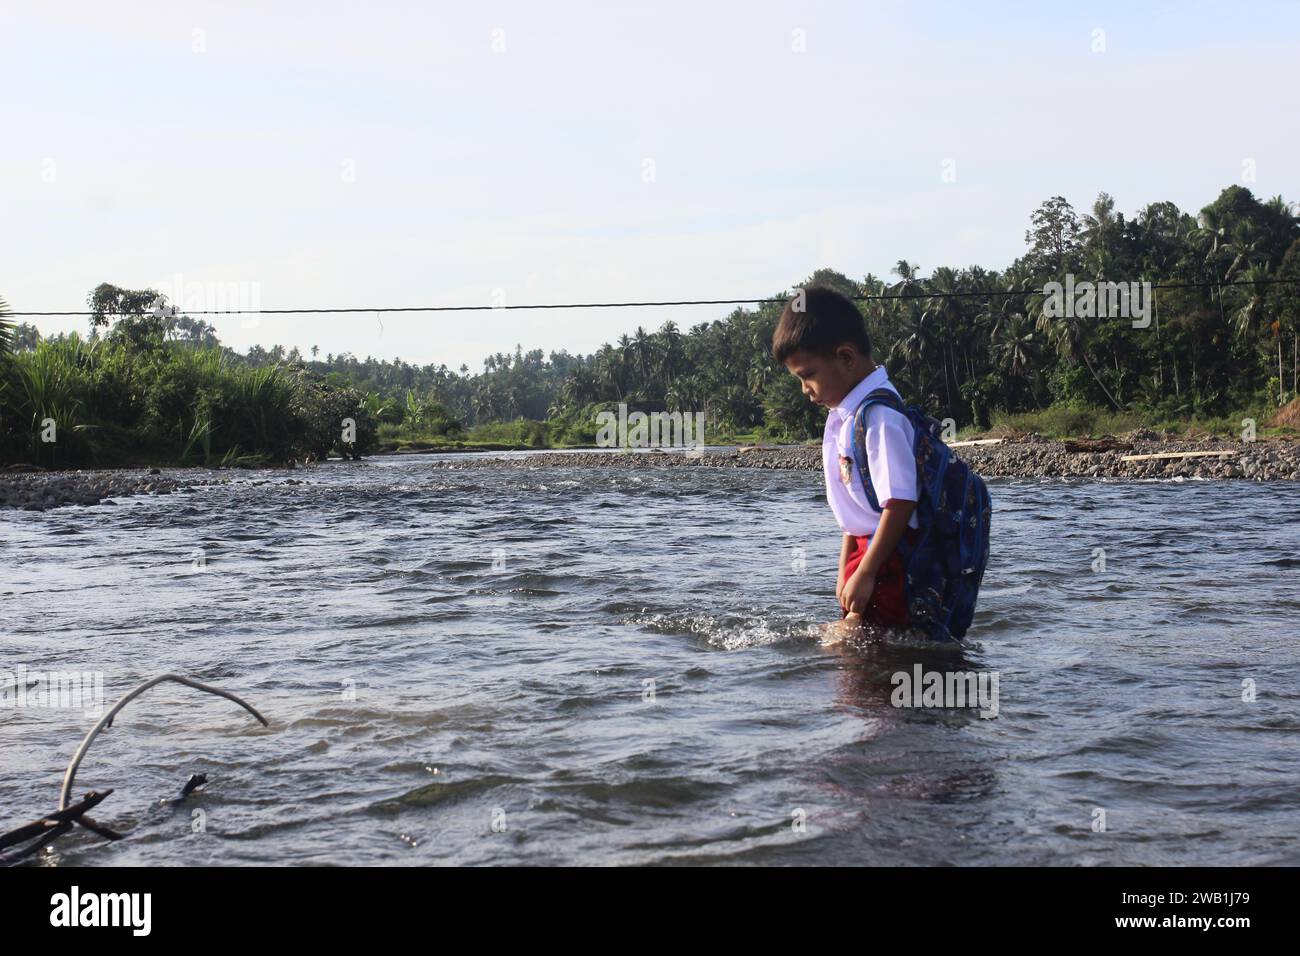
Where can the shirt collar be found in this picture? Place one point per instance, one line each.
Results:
(851, 401)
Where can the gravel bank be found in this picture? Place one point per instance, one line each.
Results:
(1031, 457)
(40, 490)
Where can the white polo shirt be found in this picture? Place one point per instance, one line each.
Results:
(889, 456)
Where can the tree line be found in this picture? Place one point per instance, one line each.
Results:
(966, 343)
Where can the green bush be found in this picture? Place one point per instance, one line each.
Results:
(520, 432)
(1074, 421)
(133, 399)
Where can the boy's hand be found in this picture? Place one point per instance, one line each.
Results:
(857, 591)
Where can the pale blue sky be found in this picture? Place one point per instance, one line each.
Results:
(132, 158)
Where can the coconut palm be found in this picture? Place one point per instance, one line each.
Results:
(944, 312)
(671, 355)
(913, 348)
(1073, 336)
(1016, 352)
(6, 329)
(1100, 231)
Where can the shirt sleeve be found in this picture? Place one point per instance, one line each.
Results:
(889, 455)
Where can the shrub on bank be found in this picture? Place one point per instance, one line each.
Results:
(1063, 420)
(75, 403)
(530, 434)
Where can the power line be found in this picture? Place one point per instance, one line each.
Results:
(983, 294)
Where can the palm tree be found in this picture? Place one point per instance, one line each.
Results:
(609, 369)
(1015, 350)
(1244, 248)
(914, 347)
(641, 353)
(670, 358)
(943, 309)
(1073, 336)
(760, 372)
(1211, 237)
(6, 329)
(1100, 229)
(1252, 316)
(907, 284)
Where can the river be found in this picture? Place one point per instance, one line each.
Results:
(626, 666)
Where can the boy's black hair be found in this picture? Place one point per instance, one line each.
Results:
(826, 321)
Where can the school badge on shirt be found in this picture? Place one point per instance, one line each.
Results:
(846, 470)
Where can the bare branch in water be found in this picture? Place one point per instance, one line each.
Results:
(51, 827)
(108, 719)
(24, 833)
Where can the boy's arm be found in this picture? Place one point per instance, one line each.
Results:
(893, 524)
(846, 548)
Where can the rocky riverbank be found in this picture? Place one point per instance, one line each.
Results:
(1025, 457)
(1021, 457)
(42, 490)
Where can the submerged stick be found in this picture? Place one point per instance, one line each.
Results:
(36, 828)
(108, 833)
(52, 833)
(108, 719)
(196, 780)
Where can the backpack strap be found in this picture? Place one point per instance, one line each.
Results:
(881, 396)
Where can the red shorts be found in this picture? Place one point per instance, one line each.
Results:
(888, 605)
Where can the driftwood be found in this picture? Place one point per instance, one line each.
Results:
(1178, 454)
(976, 441)
(49, 828)
(108, 719)
(38, 827)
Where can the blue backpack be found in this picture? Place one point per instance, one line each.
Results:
(945, 557)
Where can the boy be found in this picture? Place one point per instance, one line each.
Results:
(825, 345)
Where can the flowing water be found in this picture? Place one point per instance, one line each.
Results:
(626, 666)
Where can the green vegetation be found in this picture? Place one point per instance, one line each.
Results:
(160, 387)
(1069, 421)
(136, 397)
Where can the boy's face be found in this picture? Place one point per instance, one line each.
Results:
(826, 379)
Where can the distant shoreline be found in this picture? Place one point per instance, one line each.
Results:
(1212, 459)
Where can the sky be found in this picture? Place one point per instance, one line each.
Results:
(331, 154)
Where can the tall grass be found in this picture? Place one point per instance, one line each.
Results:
(200, 436)
(50, 402)
(166, 403)
(264, 398)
